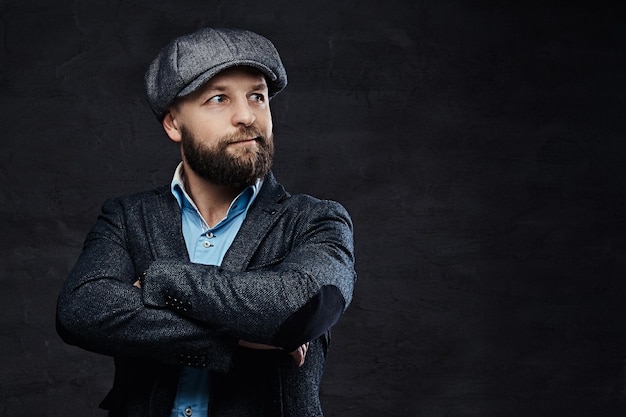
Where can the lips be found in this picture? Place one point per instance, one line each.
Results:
(244, 140)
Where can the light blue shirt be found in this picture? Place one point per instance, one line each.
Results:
(205, 245)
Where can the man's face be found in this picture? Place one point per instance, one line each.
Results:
(226, 128)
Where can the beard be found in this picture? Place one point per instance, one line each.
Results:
(219, 165)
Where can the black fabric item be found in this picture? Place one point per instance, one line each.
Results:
(312, 320)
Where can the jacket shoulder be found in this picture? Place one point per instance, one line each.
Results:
(299, 203)
(142, 196)
(133, 204)
(306, 203)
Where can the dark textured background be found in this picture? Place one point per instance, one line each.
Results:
(479, 147)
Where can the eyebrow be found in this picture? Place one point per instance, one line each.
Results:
(260, 86)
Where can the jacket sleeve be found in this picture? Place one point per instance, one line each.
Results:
(100, 310)
(294, 300)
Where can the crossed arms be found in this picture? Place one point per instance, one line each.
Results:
(189, 310)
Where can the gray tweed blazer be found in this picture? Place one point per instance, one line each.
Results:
(287, 279)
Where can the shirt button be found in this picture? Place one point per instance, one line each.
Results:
(207, 244)
(188, 411)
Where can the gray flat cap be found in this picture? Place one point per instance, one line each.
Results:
(189, 61)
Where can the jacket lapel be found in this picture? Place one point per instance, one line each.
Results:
(163, 226)
(261, 216)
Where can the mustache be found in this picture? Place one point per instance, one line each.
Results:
(245, 133)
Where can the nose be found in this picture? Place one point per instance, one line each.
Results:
(243, 114)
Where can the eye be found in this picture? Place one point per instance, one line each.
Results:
(216, 99)
(258, 97)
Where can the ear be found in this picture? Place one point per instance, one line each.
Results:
(171, 126)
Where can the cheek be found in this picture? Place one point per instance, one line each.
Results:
(267, 123)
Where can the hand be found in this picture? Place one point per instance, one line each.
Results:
(298, 355)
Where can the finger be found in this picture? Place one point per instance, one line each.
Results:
(302, 350)
(296, 358)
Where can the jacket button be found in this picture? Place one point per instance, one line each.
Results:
(188, 411)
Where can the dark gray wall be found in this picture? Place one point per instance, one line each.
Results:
(479, 147)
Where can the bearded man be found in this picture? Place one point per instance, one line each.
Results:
(215, 294)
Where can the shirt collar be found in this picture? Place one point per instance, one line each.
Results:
(241, 203)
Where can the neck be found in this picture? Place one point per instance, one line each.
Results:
(212, 200)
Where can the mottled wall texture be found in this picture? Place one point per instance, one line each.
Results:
(479, 146)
